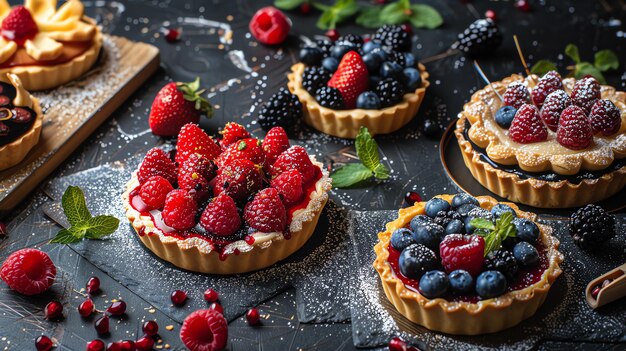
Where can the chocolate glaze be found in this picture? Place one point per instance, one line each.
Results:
(13, 128)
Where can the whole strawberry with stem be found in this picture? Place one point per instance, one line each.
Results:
(177, 104)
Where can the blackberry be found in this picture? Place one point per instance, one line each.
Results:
(314, 78)
(390, 92)
(502, 261)
(353, 39)
(329, 97)
(591, 225)
(445, 217)
(325, 46)
(480, 38)
(283, 109)
(398, 57)
(393, 37)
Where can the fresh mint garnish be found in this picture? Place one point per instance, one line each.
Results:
(82, 223)
(354, 173)
(495, 234)
(289, 4)
(334, 14)
(604, 60)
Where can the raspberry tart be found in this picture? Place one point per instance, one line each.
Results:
(233, 206)
(350, 83)
(549, 142)
(464, 265)
(45, 46)
(20, 122)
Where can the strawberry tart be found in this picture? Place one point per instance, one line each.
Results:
(546, 142)
(233, 206)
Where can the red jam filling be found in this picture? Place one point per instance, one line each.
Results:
(71, 50)
(219, 243)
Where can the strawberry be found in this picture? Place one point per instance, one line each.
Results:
(266, 212)
(154, 191)
(574, 129)
(180, 209)
(204, 330)
(221, 217)
(289, 185)
(274, 144)
(175, 105)
(294, 158)
(248, 149)
(605, 118)
(350, 78)
(516, 95)
(238, 178)
(232, 132)
(193, 140)
(194, 176)
(19, 25)
(157, 162)
(527, 127)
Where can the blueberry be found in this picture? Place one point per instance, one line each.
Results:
(374, 80)
(525, 254)
(416, 260)
(380, 52)
(409, 60)
(490, 284)
(431, 128)
(464, 209)
(434, 205)
(499, 209)
(505, 115)
(455, 226)
(390, 69)
(311, 56)
(510, 242)
(330, 63)
(463, 199)
(369, 46)
(420, 220)
(429, 235)
(411, 79)
(461, 282)
(527, 230)
(401, 238)
(368, 100)
(339, 50)
(372, 62)
(434, 284)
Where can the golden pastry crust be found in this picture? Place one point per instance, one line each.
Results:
(198, 255)
(486, 316)
(346, 123)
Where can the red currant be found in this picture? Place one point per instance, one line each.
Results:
(86, 308)
(253, 317)
(53, 310)
(150, 328)
(127, 345)
(114, 346)
(43, 343)
(3, 229)
(178, 297)
(211, 295)
(172, 35)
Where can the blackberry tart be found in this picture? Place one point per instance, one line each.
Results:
(350, 83)
(230, 207)
(486, 275)
(546, 142)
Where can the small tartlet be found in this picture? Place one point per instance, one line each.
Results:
(460, 317)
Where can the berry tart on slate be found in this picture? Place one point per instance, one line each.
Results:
(46, 46)
(549, 142)
(20, 122)
(233, 206)
(350, 83)
(464, 265)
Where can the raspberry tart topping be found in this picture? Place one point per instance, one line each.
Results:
(605, 118)
(221, 216)
(19, 25)
(550, 82)
(516, 95)
(232, 132)
(157, 163)
(585, 93)
(527, 126)
(574, 129)
(552, 108)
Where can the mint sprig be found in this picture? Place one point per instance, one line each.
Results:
(604, 60)
(82, 223)
(495, 234)
(334, 14)
(370, 166)
(289, 4)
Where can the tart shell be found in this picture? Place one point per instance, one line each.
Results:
(346, 123)
(13, 153)
(465, 318)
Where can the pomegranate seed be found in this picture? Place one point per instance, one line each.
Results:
(253, 317)
(178, 297)
(53, 310)
(151, 328)
(86, 308)
(332, 34)
(595, 292)
(3, 229)
(522, 5)
(93, 285)
(43, 343)
(144, 344)
(117, 308)
(216, 306)
(172, 35)
(95, 345)
(491, 14)
(211, 295)
(102, 325)
(412, 198)
(305, 8)
(127, 345)
(407, 28)
(114, 346)
(397, 344)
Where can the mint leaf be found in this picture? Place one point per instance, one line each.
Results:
(350, 174)
(424, 16)
(367, 149)
(66, 236)
(370, 17)
(101, 226)
(288, 4)
(381, 172)
(74, 205)
(335, 14)
(585, 68)
(503, 229)
(394, 13)
(571, 51)
(605, 60)
(482, 223)
(542, 67)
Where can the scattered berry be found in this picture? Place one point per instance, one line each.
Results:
(283, 109)
(157, 163)
(43, 343)
(93, 285)
(150, 328)
(605, 118)
(129, 345)
(332, 34)
(274, 144)
(238, 179)
(221, 216)
(482, 37)
(415, 260)
(253, 317)
(591, 225)
(502, 261)
(491, 14)
(295, 157)
(232, 132)
(204, 330)
(461, 282)
(102, 325)
(270, 26)
(522, 5)
(397, 344)
(516, 95)
(289, 186)
(193, 140)
(154, 191)
(305, 8)
(434, 284)
(28, 271)
(574, 130)
(86, 308)
(330, 98)
(114, 346)
(462, 252)
(180, 209)
(266, 212)
(527, 127)
(19, 25)
(549, 83)
(117, 308)
(178, 297)
(211, 295)
(172, 35)
(412, 198)
(585, 93)
(96, 345)
(553, 106)
(490, 284)
(145, 343)
(390, 92)
(3, 229)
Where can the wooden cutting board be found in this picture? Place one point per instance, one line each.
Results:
(73, 111)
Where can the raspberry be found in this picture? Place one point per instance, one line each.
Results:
(154, 191)
(221, 217)
(28, 271)
(585, 93)
(193, 140)
(266, 212)
(549, 83)
(157, 162)
(180, 209)
(289, 185)
(248, 149)
(294, 158)
(574, 129)
(552, 108)
(238, 179)
(270, 26)
(462, 252)
(274, 144)
(232, 132)
(503, 261)
(605, 118)
(516, 95)
(591, 225)
(204, 330)
(194, 176)
(527, 127)
(19, 25)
